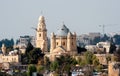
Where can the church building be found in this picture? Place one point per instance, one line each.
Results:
(63, 42)
(41, 35)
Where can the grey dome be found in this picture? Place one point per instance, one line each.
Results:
(62, 31)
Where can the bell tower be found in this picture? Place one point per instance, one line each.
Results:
(41, 36)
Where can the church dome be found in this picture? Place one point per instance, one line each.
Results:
(62, 31)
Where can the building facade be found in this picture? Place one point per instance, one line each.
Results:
(11, 57)
(63, 42)
(41, 35)
(23, 41)
(114, 69)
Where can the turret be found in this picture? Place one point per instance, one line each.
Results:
(69, 41)
(74, 42)
(3, 49)
(53, 42)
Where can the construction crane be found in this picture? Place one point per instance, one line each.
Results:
(34, 28)
(103, 27)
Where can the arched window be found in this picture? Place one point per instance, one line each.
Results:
(56, 43)
(63, 43)
(39, 35)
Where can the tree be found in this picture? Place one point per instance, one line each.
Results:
(29, 47)
(88, 57)
(96, 62)
(54, 66)
(32, 55)
(31, 69)
(108, 58)
(112, 48)
(117, 39)
(47, 63)
(79, 60)
(80, 49)
(99, 68)
(40, 68)
(35, 55)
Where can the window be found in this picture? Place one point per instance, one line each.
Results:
(72, 43)
(39, 35)
(57, 43)
(63, 43)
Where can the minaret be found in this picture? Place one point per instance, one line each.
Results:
(3, 49)
(74, 42)
(69, 42)
(53, 42)
(41, 36)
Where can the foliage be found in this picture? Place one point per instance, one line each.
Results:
(88, 57)
(54, 65)
(99, 68)
(112, 48)
(116, 39)
(108, 58)
(7, 42)
(40, 68)
(31, 69)
(105, 38)
(4, 74)
(47, 63)
(96, 62)
(63, 64)
(32, 55)
(95, 40)
(24, 74)
(80, 49)
(29, 47)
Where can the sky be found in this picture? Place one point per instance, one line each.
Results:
(80, 16)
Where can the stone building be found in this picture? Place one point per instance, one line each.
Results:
(63, 42)
(3, 48)
(41, 35)
(114, 69)
(13, 56)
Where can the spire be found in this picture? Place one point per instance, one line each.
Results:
(41, 23)
(3, 49)
(41, 19)
(69, 35)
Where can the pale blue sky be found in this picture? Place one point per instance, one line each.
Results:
(82, 16)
